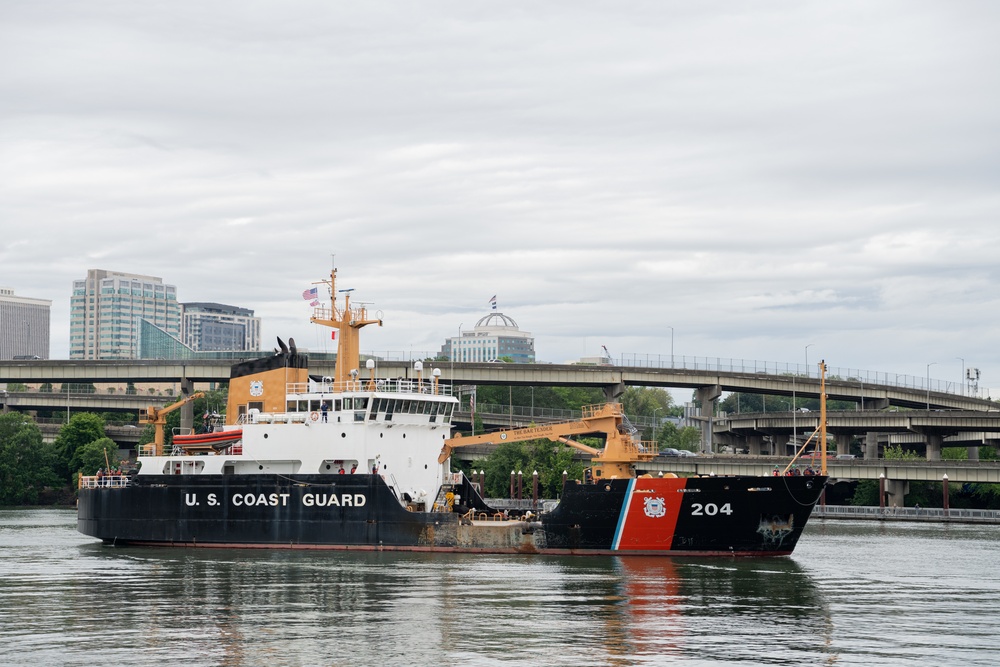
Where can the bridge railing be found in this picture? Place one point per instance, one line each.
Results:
(925, 513)
(862, 377)
(528, 411)
(750, 366)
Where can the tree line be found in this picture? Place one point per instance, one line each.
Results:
(34, 472)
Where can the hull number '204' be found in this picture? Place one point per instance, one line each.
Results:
(710, 509)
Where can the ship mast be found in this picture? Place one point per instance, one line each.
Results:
(822, 415)
(348, 321)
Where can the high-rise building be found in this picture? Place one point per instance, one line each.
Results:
(495, 337)
(210, 327)
(24, 326)
(106, 309)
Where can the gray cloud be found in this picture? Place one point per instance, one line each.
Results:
(759, 177)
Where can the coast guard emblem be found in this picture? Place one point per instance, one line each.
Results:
(655, 508)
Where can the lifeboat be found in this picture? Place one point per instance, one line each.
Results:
(216, 440)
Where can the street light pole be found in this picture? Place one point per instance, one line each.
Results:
(807, 357)
(929, 384)
(671, 347)
(963, 375)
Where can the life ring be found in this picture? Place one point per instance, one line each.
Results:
(314, 416)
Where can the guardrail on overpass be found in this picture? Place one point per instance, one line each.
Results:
(928, 514)
(80, 401)
(750, 377)
(126, 435)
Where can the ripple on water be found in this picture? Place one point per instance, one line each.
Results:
(854, 594)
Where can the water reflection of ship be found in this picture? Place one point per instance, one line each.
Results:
(680, 607)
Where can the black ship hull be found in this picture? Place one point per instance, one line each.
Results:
(741, 516)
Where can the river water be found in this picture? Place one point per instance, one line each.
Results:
(854, 593)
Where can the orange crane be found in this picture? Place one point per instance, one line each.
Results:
(614, 461)
(158, 418)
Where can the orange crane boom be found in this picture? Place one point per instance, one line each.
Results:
(617, 459)
(158, 418)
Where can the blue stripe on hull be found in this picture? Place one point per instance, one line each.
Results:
(623, 514)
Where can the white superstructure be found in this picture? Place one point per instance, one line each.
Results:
(394, 428)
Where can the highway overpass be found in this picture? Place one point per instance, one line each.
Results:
(708, 382)
(707, 379)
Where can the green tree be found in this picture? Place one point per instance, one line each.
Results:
(101, 453)
(557, 398)
(897, 453)
(25, 468)
(865, 493)
(83, 428)
(548, 458)
(669, 435)
(644, 400)
(737, 402)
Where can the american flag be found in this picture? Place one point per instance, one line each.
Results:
(310, 294)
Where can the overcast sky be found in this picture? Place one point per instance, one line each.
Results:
(760, 176)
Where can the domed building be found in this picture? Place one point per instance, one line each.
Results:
(495, 337)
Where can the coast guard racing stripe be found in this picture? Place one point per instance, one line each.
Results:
(649, 514)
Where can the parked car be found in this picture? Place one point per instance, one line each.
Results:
(684, 452)
(670, 451)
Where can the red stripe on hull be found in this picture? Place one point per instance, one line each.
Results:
(651, 518)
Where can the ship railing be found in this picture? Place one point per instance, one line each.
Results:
(591, 411)
(648, 448)
(104, 481)
(389, 386)
(280, 417)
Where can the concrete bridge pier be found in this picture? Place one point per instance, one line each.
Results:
(737, 442)
(933, 446)
(841, 442)
(973, 453)
(871, 445)
(707, 396)
(187, 410)
(897, 489)
(613, 392)
(755, 443)
(877, 404)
